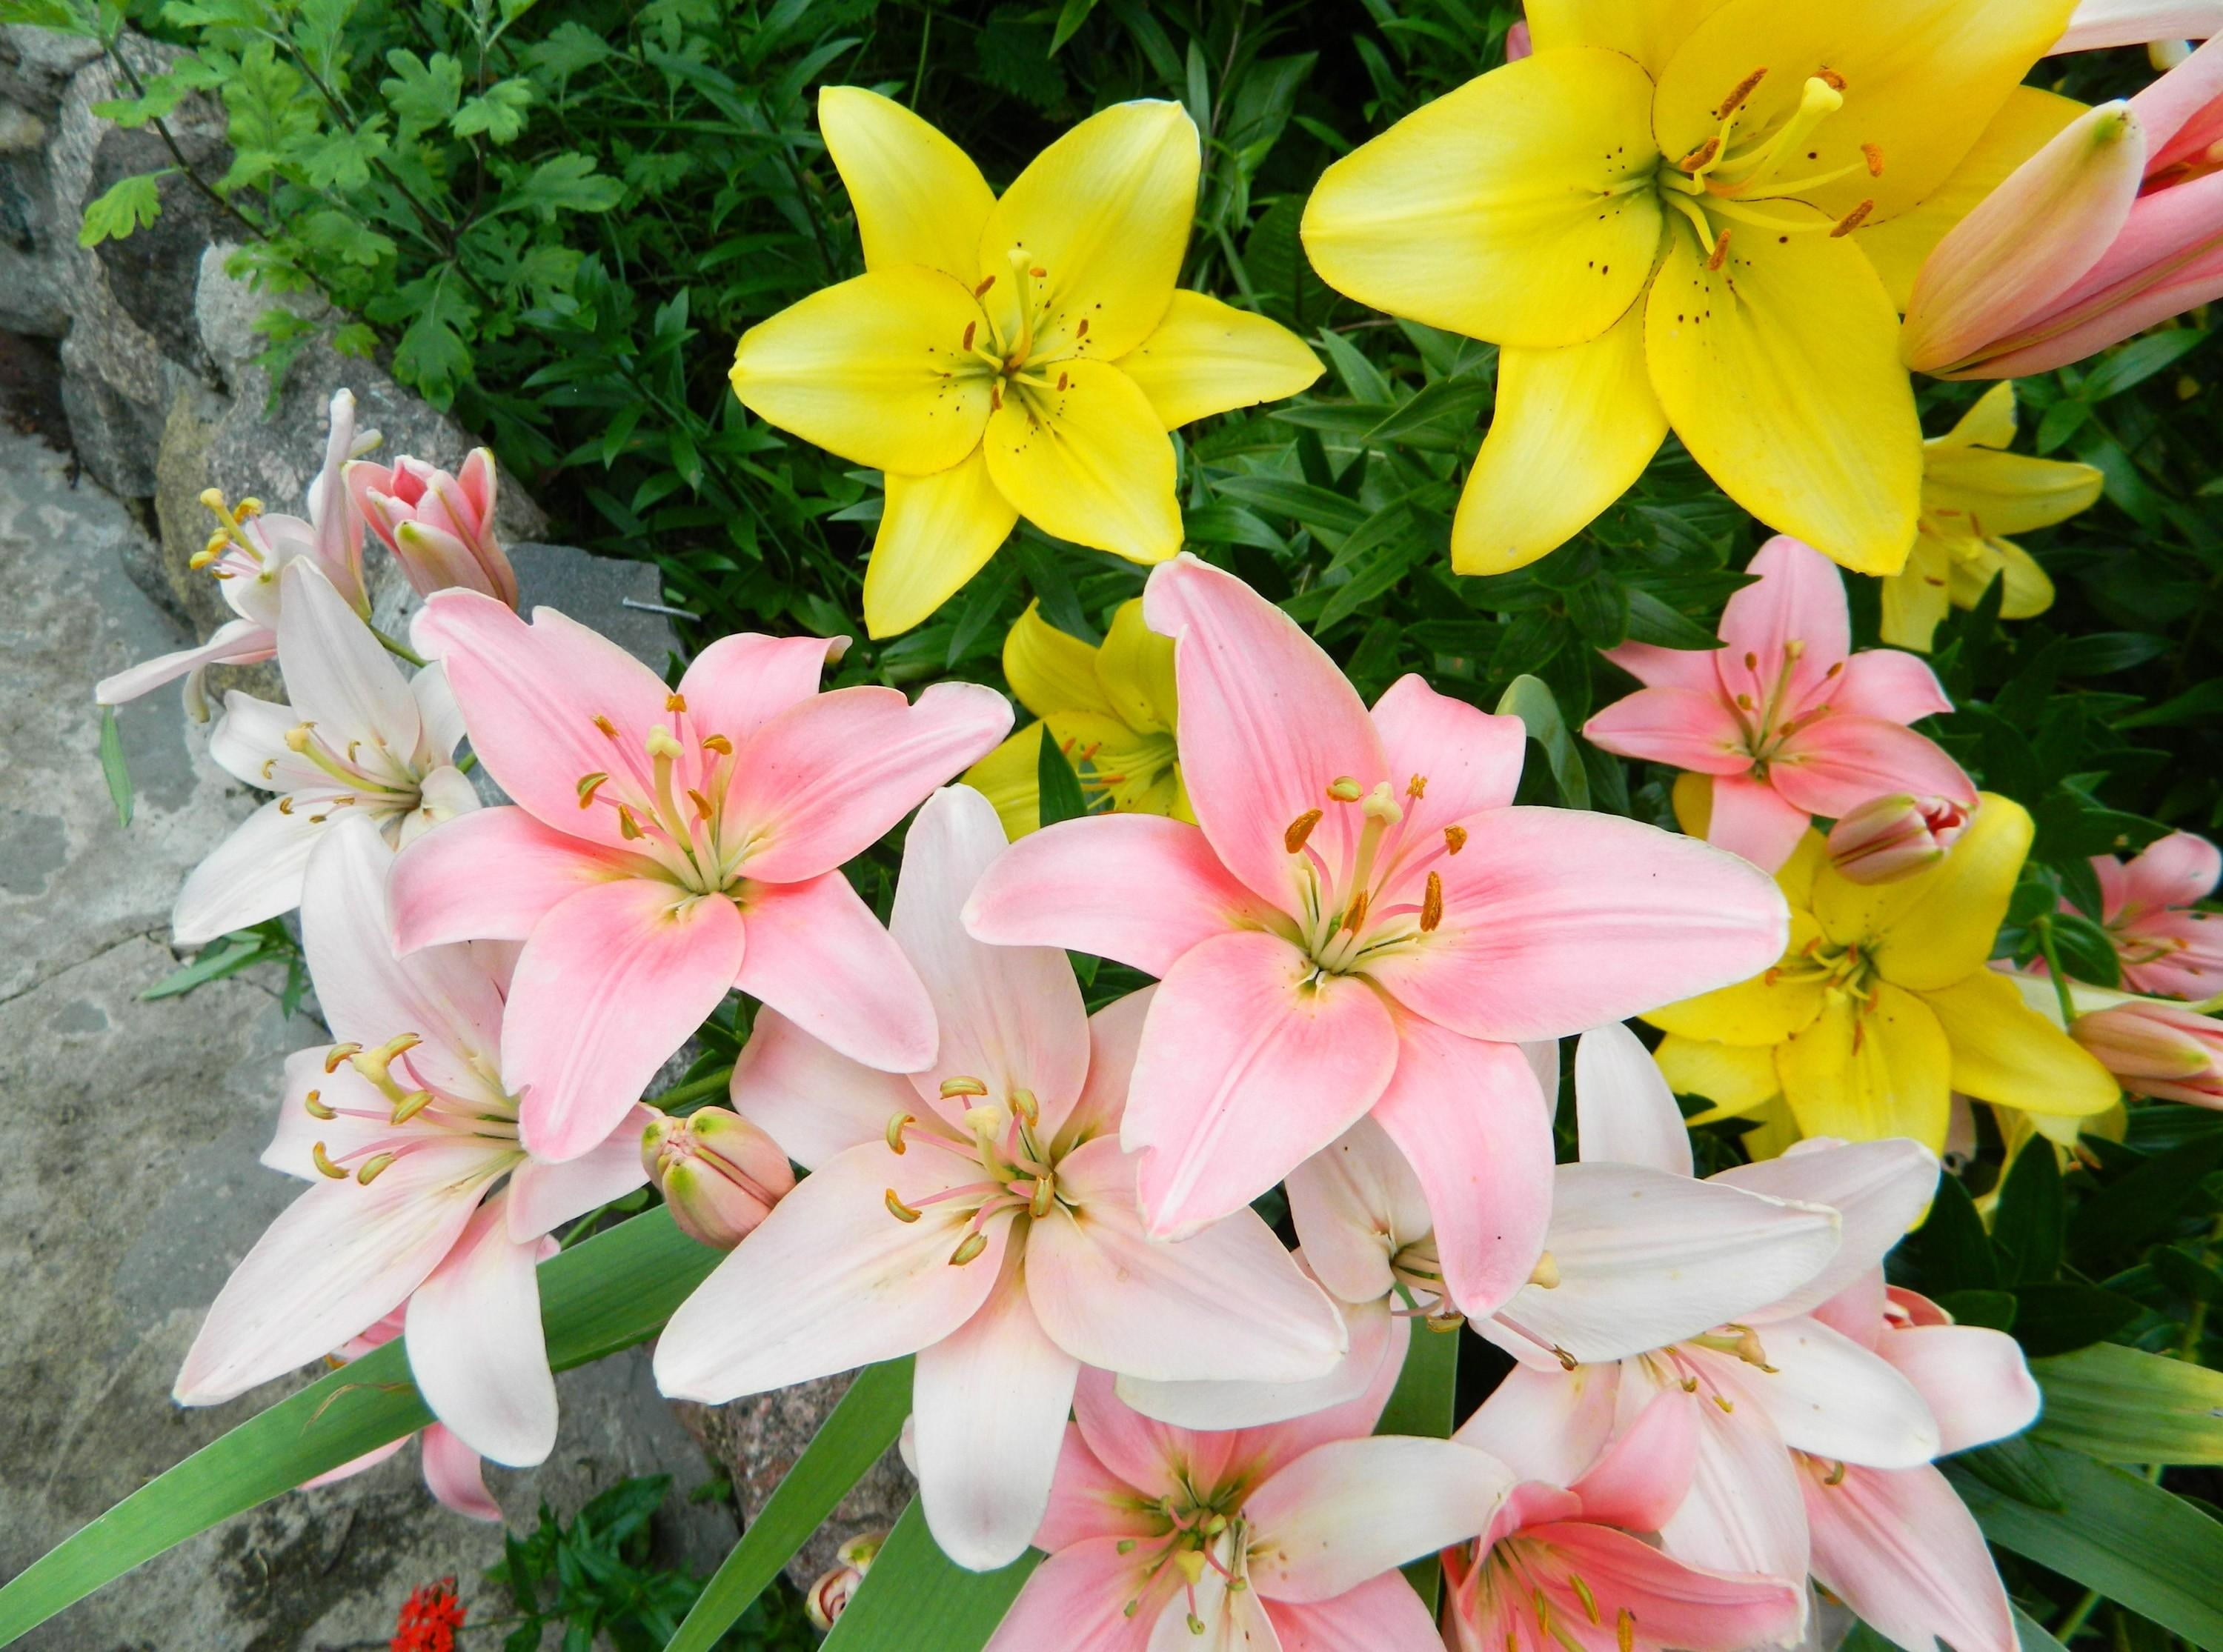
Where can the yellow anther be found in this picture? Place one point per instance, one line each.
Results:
(373, 1167)
(1432, 903)
(285, 806)
(1417, 787)
(325, 1164)
(719, 744)
(1454, 839)
(675, 703)
(313, 1105)
(1835, 1476)
(1567, 1361)
(1299, 829)
(1028, 1109)
(1444, 1324)
(701, 803)
(897, 1126)
(588, 785)
(1545, 1276)
(971, 1246)
(1624, 1631)
(1045, 1195)
(628, 828)
(981, 291)
(411, 1105)
(338, 1054)
(1872, 153)
(1344, 789)
(1830, 77)
(970, 327)
(898, 1209)
(1699, 156)
(1844, 226)
(1727, 1404)
(606, 725)
(952, 1088)
(1743, 89)
(1355, 914)
(1749, 1350)
(1583, 1594)
(1721, 253)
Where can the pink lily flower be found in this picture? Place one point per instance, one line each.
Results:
(420, 1193)
(1899, 1546)
(357, 738)
(668, 846)
(439, 527)
(2166, 947)
(1562, 1568)
(1360, 924)
(1282, 1539)
(454, 1474)
(2098, 24)
(981, 1214)
(2165, 1051)
(2113, 226)
(249, 553)
(1787, 720)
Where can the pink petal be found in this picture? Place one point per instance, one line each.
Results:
(1643, 1477)
(1799, 598)
(2172, 871)
(1229, 1302)
(1557, 919)
(821, 782)
(1743, 1512)
(492, 875)
(254, 874)
(454, 1475)
(1115, 1039)
(1088, 1500)
(1669, 668)
(611, 983)
(475, 1348)
(531, 695)
(832, 1281)
(337, 675)
(2148, 275)
(1467, 1116)
(1887, 683)
(1380, 1615)
(1624, 1111)
(1837, 764)
(1470, 759)
(1149, 1455)
(1355, 1203)
(1136, 889)
(2096, 24)
(1234, 1621)
(1249, 1066)
(1830, 1397)
(1546, 1425)
(1267, 722)
(813, 1101)
(362, 1115)
(1902, 1550)
(235, 642)
(1349, 1510)
(1378, 1342)
(348, 1470)
(1681, 726)
(1877, 1188)
(1973, 1381)
(1753, 820)
(816, 953)
(1857, 1311)
(1009, 1016)
(988, 1405)
(741, 682)
(1673, 1604)
(543, 1197)
(1077, 1601)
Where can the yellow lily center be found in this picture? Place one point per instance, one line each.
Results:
(1023, 365)
(1018, 1164)
(1386, 899)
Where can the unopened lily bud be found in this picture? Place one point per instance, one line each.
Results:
(2159, 1050)
(720, 1174)
(829, 1597)
(439, 527)
(1890, 838)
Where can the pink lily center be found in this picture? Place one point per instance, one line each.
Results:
(1510, 1582)
(670, 796)
(1357, 915)
(1018, 1164)
(1768, 723)
(233, 551)
(1194, 1530)
(388, 786)
(418, 1114)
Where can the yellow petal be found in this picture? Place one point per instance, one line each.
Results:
(1759, 1012)
(1488, 211)
(936, 533)
(1989, 422)
(865, 369)
(1010, 778)
(1090, 462)
(1915, 598)
(1104, 212)
(1050, 670)
(1111, 758)
(1208, 357)
(1693, 802)
(1921, 80)
(1647, 30)
(1574, 427)
(2029, 592)
(1737, 1079)
(1794, 877)
(1931, 930)
(1980, 492)
(919, 198)
(2006, 1051)
(1866, 1074)
(1780, 372)
(1135, 668)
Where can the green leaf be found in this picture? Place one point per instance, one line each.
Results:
(229, 957)
(422, 95)
(566, 183)
(2139, 1205)
(865, 1424)
(2026, 1229)
(2138, 361)
(2060, 1318)
(1530, 698)
(2033, 1635)
(113, 769)
(2134, 1543)
(915, 1599)
(498, 111)
(2124, 1406)
(1060, 787)
(1069, 20)
(1316, 507)
(1422, 1403)
(2087, 951)
(127, 204)
(1956, 1253)
(614, 1291)
(432, 354)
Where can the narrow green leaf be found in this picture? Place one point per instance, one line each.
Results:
(2026, 1232)
(1069, 20)
(1421, 1403)
(2139, 1546)
(916, 1600)
(848, 1444)
(611, 1292)
(116, 772)
(228, 956)
(2033, 1634)
(2123, 1406)
(1059, 786)
(1531, 700)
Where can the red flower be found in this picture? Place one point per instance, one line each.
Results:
(430, 1618)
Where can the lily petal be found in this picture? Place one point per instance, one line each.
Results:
(254, 874)
(2006, 1051)
(1882, 682)
(1743, 1512)
(813, 1101)
(454, 1475)
(1206, 357)
(1837, 762)
(1937, 927)
(1624, 1111)
(1879, 1190)
(1902, 1550)
(740, 683)
(1829, 1396)
(1351, 1510)
(1864, 1075)
(1078, 1599)
(492, 875)
(1087, 460)
(918, 198)
(337, 675)
(1382, 1614)
(936, 532)
(1672, 725)
(543, 1197)
(475, 1348)
(816, 953)
(1973, 1380)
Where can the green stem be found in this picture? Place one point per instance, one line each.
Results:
(399, 651)
(695, 1089)
(2043, 925)
(2074, 1623)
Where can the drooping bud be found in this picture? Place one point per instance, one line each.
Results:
(829, 1597)
(2167, 1050)
(1890, 838)
(720, 1174)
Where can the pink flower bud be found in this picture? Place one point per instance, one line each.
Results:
(1518, 45)
(720, 1174)
(2157, 1049)
(829, 1597)
(439, 527)
(1888, 839)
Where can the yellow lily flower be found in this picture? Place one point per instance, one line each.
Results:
(1882, 1006)
(1973, 492)
(1015, 356)
(1110, 708)
(1697, 214)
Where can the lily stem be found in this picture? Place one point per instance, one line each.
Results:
(2043, 925)
(694, 1090)
(2075, 1622)
(399, 651)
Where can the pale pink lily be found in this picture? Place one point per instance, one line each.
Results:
(2149, 1047)
(1360, 924)
(670, 845)
(1564, 1568)
(2116, 225)
(2098, 24)
(420, 1193)
(356, 738)
(1787, 720)
(981, 1214)
(1281, 1539)
(249, 553)
(454, 1474)
(439, 527)
(2166, 947)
